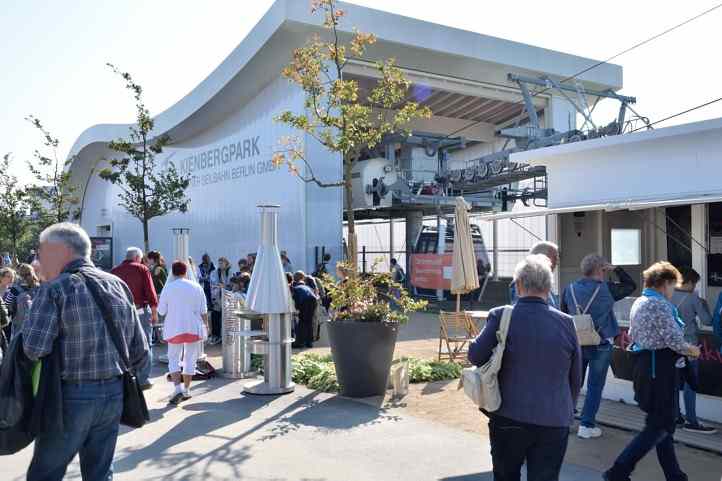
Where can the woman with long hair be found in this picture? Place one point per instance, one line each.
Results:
(158, 271)
(20, 296)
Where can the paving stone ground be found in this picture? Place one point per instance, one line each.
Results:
(434, 433)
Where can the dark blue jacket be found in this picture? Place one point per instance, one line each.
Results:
(541, 373)
(305, 300)
(602, 309)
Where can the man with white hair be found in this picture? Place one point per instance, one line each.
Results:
(551, 251)
(140, 282)
(594, 295)
(64, 312)
(539, 378)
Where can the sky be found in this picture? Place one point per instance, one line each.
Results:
(54, 53)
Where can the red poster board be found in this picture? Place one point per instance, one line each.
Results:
(427, 271)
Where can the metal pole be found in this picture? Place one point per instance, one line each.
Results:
(363, 259)
(391, 237)
(495, 252)
(440, 248)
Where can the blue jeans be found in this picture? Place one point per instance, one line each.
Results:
(91, 418)
(144, 372)
(690, 397)
(597, 358)
(650, 437)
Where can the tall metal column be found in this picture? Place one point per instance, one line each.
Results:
(391, 236)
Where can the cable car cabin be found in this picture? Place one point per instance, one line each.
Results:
(432, 257)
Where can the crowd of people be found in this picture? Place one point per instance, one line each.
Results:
(54, 294)
(147, 304)
(539, 399)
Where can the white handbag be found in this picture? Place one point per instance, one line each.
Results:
(583, 323)
(481, 384)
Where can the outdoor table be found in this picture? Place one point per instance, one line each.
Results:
(479, 317)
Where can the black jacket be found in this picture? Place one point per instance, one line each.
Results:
(22, 415)
(656, 387)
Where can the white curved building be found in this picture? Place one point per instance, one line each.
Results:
(223, 132)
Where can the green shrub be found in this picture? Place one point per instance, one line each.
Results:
(257, 362)
(318, 372)
(424, 370)
(315, 372)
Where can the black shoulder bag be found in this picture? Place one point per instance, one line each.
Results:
(135, 410)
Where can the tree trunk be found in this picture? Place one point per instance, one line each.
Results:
(145, 236)
(15, 245)
(352, 241)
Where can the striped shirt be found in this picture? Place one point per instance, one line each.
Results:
(64, 309)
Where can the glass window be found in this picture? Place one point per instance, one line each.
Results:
(626, 247)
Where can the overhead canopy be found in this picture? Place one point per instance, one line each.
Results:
(609, 207)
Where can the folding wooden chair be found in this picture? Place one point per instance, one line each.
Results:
(456, 330)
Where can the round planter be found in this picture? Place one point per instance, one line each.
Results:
(362, 353)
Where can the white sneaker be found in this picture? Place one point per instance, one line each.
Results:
(589, 433)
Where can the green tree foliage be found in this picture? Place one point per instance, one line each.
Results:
(146, 191)
(344, 119)
(16, 207)
(55, 191)
(369, 297)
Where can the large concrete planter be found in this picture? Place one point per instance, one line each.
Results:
(362, 353)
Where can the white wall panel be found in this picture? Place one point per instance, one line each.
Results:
(230, 165)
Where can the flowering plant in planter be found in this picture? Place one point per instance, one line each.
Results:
(372, 297)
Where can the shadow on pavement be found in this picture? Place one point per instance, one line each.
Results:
(328, 415)
(437, 387)
(472, 477)
(207, 418)
(334, 414)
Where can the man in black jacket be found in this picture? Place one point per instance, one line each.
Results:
(306, 301)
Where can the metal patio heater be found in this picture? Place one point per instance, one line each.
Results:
(269, 295)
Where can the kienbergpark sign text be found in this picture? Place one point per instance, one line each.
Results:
(234, 159)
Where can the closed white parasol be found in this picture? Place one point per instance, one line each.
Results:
(465, 277)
